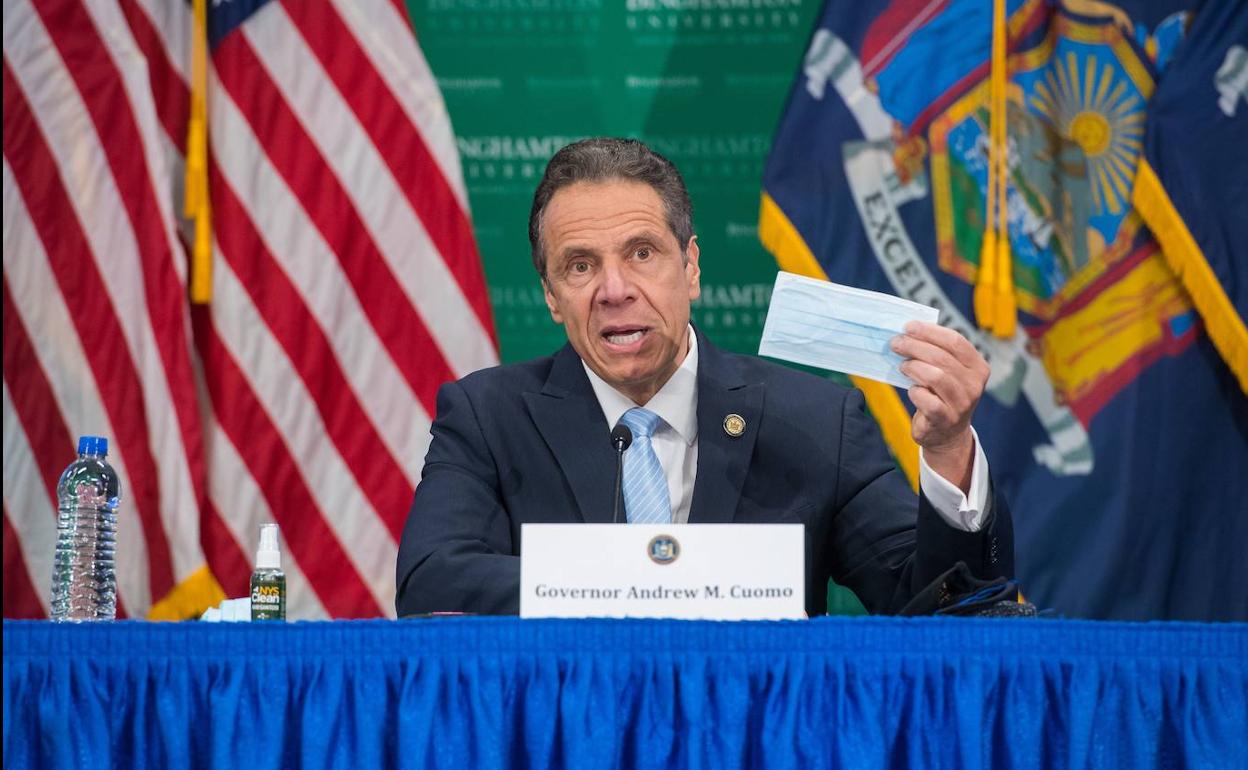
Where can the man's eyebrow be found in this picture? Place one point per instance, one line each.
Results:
(576, 250)
(643, 237)
(568, 252)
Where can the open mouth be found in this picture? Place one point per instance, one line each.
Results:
(623, 337)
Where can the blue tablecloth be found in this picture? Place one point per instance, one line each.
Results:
(490, 692)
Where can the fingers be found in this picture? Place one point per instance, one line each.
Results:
(949, 376)
(955, 389)
(916, 349)
(937, 412)
(944, 349)
(947, 340)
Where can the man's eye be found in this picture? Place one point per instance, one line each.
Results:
(580, 267)
(642, 253)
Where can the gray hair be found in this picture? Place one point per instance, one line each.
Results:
(604, 159)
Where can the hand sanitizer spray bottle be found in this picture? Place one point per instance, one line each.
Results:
(268, 582)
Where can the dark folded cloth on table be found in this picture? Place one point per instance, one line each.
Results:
(958, 592)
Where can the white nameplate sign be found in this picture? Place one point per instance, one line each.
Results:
(705, 571)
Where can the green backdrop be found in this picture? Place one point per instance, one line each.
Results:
(701, 81)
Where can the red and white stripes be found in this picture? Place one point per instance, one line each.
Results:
(346, 288)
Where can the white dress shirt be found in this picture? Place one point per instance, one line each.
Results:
(675, 442)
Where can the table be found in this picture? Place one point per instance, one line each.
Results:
(502, 692)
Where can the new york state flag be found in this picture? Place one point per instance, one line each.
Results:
(1095, 251)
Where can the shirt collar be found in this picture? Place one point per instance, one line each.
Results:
(676, 403)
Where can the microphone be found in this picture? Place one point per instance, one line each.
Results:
(621, 439)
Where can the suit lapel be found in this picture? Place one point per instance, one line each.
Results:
(568, 416)
(723, 460)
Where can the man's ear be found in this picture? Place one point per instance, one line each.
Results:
(693, 271)
(551, 303)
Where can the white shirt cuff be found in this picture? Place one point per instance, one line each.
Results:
(964, 512)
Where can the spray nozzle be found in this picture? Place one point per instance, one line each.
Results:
(269, 555)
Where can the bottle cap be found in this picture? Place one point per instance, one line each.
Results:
(93, 445)
(269, 556)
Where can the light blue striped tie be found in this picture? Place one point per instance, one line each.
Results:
(645, 487)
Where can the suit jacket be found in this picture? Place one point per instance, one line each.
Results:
(529, 443)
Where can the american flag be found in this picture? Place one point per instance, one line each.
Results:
(346, 287)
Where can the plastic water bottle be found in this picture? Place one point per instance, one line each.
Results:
(84, 578)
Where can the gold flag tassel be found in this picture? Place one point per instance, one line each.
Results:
(994, 302)
(197, 206)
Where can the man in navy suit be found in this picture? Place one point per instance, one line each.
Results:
(612, 238)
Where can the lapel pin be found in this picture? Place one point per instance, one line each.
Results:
(734, 425)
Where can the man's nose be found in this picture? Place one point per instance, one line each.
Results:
(617, 285)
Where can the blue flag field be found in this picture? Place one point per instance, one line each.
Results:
(1110, 306)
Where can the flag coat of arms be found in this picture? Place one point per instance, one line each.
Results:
(1115, 420)
(342, 281)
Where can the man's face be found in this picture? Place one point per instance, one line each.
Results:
(617, 281)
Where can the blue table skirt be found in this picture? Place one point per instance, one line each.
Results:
(500, 692)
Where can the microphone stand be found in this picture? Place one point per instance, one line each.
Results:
(621, 439)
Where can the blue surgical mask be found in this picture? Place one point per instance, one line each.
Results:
(840, 328)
